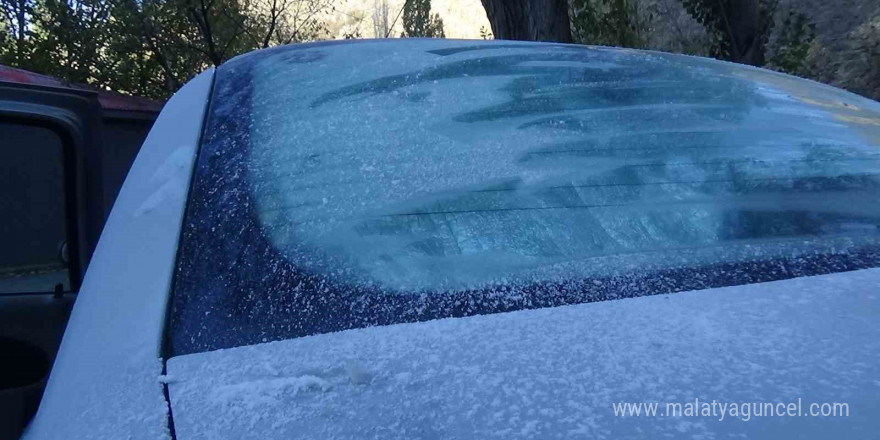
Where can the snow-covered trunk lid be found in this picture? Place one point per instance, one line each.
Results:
(558, 372)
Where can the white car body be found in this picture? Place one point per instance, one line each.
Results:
(547, 373)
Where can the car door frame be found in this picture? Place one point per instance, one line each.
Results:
(74, 116)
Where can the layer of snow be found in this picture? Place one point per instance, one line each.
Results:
(554, 373)
(104, 382)
(447, 164)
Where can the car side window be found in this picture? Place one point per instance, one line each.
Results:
(34, 256)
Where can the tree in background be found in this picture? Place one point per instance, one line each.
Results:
(220, 27)
(535, 20)
(350, 28)
(151, 47)
(381, 25)
(740, 29)
(287, 21)
(791, 47)
(147, 47)
(674, 30)
(150, 61)
(623, 23)
(72, 36)
(418, 21)
(15, 38)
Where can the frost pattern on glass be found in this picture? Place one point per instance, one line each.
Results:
(348, 185)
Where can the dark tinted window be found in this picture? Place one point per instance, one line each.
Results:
(32, 224)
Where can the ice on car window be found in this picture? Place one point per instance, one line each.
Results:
(348, 185)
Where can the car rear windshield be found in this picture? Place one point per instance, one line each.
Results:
(345, 185)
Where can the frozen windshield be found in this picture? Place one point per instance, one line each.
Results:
(349, 185)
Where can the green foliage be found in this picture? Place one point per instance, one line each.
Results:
(73, 34)
(485, 34)
(610, 22)
(418, 21)
(792, 45)
(15, 33)
(7, 46)
(150, 48)
(146, 47)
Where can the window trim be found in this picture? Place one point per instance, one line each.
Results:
(73, 192)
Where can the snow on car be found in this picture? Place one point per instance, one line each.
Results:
(457, 239)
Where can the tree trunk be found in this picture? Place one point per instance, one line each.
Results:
(746, 24)
(150, 35)
(743, 22)
(200, 15)
(21, 19)
(533, 20)
(273, 20)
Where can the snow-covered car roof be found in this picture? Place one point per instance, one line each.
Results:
(340, 188)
